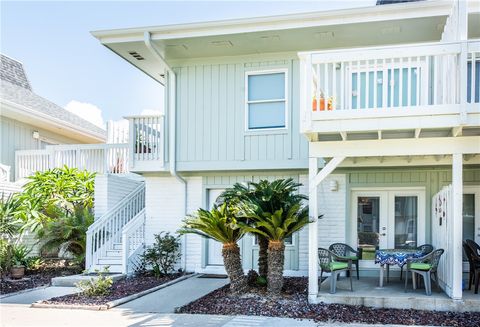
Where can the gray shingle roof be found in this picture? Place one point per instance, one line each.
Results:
(14, 87)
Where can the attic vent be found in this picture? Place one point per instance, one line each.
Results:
(135, 55)
(222, 43)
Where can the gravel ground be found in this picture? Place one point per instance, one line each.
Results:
(119, 290)
(40, 277)
(293, 304)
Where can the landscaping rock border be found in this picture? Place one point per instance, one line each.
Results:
(110, 304)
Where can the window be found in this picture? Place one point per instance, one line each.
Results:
(266, 100)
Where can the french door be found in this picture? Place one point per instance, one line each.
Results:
(386, 218)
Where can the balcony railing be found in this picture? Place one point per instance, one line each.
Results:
(100, 158)
(389, 81)
(147, 138)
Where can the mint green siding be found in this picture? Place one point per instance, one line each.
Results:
(211, 133)
(432, 179)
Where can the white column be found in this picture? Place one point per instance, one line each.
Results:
(455, 247)
(313, 234)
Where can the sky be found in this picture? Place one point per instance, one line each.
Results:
(68, 66)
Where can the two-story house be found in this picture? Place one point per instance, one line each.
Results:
(375, 110)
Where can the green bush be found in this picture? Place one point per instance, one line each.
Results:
(19, 255)
(5, 257)
(34, 263)
(96, 286)
(163, 255)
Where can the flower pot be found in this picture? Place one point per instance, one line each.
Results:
(17, 272)
(322, 104)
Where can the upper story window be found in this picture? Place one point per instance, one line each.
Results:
(266, 100)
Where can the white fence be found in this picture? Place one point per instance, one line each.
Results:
(442, 235)
(101, 158)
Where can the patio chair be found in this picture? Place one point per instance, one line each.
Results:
(474, 246)
(329, 262)
(345, 253)
(425, 249)
(474, 262)
(425, 266)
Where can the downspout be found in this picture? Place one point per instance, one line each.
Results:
(170, 79)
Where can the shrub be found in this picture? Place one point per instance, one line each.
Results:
(19, 255)
(34, 263)
(163, 255)
(96, 286)
(5, 257)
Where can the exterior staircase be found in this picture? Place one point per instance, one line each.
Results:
(117, 238)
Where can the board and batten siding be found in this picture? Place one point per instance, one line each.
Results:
(211, 131)
(16, 135)
(110, 190)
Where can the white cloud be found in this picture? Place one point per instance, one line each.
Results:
(87, 111)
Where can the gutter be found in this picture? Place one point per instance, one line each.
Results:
(171, 100)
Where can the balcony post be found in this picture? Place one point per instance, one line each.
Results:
(313, 233)
(456, 225)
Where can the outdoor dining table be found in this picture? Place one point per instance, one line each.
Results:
(394, 257)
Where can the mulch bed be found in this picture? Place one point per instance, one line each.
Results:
(40, 277)
(120, 289)
(293, 303)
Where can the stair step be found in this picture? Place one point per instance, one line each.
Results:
(117, 246)
(109, 261)
(114, 253)
(113, 268)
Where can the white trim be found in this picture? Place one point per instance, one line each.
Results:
(248, 102)
(387, 218)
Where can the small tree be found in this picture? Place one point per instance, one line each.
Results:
(221, 225)
(163, 255)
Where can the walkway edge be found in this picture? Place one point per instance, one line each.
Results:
(135, 296)
(113, 303)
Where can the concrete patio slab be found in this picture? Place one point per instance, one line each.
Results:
(367, 292)
(70, 281)
(39, 294)
(167, 299)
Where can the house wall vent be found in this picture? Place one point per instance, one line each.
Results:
(135, 55)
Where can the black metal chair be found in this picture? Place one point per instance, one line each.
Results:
(345, 253)
(425, 266)
(473, 256)
(329, 262)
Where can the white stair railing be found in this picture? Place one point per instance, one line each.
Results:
(133, 243)
(107, 230)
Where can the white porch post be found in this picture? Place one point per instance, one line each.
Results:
(456, 233)
(313, 233)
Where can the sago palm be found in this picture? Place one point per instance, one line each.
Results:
(276, 227)
(264, 196)
(221, 225)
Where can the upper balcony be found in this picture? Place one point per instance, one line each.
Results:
(418, 90)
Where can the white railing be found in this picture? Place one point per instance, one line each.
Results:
(100, 158)
(442, 236)
(146, 138)
(383, 77)
(133, 242)
(107, 230)
(473, 72)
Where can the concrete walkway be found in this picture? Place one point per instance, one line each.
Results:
(24, 316)
(39, 294)
(167, 299)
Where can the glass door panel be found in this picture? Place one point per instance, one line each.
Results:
(405, 221)
(368, 225)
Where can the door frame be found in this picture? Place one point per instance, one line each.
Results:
(387, 208)
(473, 189)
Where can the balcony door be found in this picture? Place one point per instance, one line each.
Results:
(386, 218)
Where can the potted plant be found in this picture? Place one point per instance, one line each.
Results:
(19, 258)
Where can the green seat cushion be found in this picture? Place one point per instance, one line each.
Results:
(338, 265)
(420, 266)
(351, 257)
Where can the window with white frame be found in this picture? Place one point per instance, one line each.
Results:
(266, 100)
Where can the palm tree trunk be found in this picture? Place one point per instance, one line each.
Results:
(262, 256)
(233, 266)
(276, 251)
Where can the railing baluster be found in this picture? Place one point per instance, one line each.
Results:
(334, 86)
(367, 82)
(358, 85)
(400, 87)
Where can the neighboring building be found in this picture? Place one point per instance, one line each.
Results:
(30, 122)
(375, 110)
